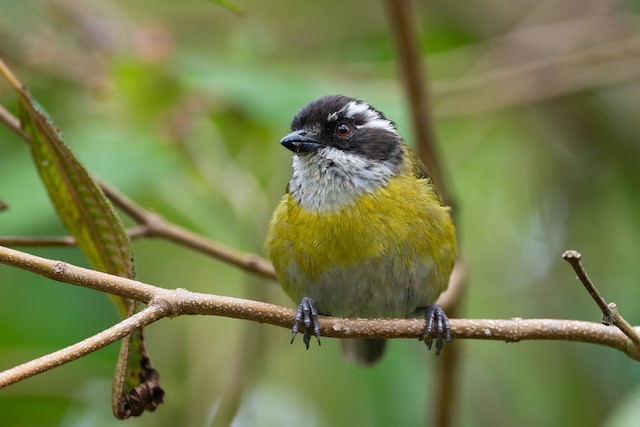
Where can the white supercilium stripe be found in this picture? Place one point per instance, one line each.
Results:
(371, 116)
(380, 124)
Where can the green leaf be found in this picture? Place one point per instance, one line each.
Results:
(229, 5)
(79, 201)
(90, 218)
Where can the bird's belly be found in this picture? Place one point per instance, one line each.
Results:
(391, 286)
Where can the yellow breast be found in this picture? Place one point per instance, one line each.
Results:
(403, 220)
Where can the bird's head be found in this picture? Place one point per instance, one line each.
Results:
(345, 124)
(343, 147)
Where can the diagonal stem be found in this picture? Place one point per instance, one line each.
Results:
(610, 313)
(42, 364)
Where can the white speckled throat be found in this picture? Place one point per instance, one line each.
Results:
(330, 179)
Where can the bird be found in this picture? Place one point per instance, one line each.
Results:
(361, 230)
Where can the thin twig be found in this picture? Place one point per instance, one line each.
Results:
(610, 314)
(149, 315)
(249, 262)
(155, 225)
(10, 77)
(573, 258)
(56, 241)
(13, 123)
(43, 241)
(128, 206)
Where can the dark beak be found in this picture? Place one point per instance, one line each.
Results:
(300, 142)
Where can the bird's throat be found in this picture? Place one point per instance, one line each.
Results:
(331, 179)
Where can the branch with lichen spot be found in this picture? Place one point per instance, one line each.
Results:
(178, 302)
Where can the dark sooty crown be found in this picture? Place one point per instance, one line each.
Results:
(373, 135)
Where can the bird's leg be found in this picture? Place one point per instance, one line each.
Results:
(307, 317)
(435, 316)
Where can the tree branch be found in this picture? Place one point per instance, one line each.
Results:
(170, 303)
(149, 315)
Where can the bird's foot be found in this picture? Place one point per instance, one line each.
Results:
(435, 316)
(307, 318)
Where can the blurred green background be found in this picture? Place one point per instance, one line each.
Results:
(181, 106)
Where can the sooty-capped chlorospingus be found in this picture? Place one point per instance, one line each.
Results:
(361, 231)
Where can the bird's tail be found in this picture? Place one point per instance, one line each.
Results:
(364, 352)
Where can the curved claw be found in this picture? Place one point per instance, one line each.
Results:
(307, 317)
(435, 315)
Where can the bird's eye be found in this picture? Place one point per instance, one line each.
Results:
(344, 130)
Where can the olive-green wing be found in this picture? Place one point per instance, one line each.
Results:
(419, 169)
